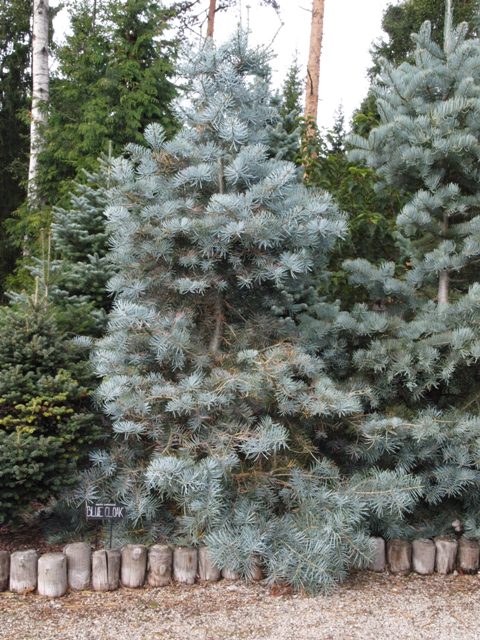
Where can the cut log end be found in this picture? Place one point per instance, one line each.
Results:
(52, 575)
(399, 553)
(23, 571)
(185, 564)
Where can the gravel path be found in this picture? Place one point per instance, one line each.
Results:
(367, 606)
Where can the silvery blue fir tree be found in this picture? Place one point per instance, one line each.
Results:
(418, 343)
(216, 397)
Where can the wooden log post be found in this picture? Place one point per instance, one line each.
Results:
(378, 562)
(468, 556)
(159, 566)
(4, 569)
(134, 565)
(256, 573)
(185, 563)
(446, 554)
(399, 554)
(100, 570)
(423, 556)
(114, 559)
(52, 575)
(23, 571)
(79, 560)
(106, 569)
(206, 569)
(230, 574)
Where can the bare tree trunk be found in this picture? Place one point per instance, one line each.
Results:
(40, 94)
(211, 18)
(444, 277)
(448, 26)
(313, 68)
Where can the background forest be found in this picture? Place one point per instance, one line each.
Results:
(257, 334)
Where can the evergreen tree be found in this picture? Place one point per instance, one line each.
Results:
(372, 214)
(14, 101)
(285, 136)
(113, 76)
(217, 399)
(420, 352)
(46, 424)
(402, 19)
(80, 271)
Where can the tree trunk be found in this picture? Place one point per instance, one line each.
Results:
(185, 562)
(206, 569)
(423, 557)
(52, 575)
(40, 94)
(79, 558)
(211, 18)
(446, 555)
(313, 68)
(23, 571)
(378, 558)
(134, 565)
(159, 568)
(399, 554)
(444, 276)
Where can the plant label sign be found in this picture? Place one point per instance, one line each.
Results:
(104, 511)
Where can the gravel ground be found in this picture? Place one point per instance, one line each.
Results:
(368, 606)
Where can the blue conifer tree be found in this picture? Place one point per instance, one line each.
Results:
(218, 399)
(418, 344)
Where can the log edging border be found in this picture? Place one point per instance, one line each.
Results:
(137, 566)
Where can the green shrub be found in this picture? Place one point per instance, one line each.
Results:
(46, 422)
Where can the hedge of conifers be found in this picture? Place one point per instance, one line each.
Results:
(77, 568)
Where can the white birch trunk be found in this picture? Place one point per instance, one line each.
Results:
(40, 93)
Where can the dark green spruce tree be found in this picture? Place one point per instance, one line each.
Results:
(285, 137)
(46, 421)
(113, 75)
(15, 84)
(218, 401)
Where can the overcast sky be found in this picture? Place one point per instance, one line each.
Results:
(350, 27)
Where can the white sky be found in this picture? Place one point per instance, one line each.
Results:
(350, 27)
